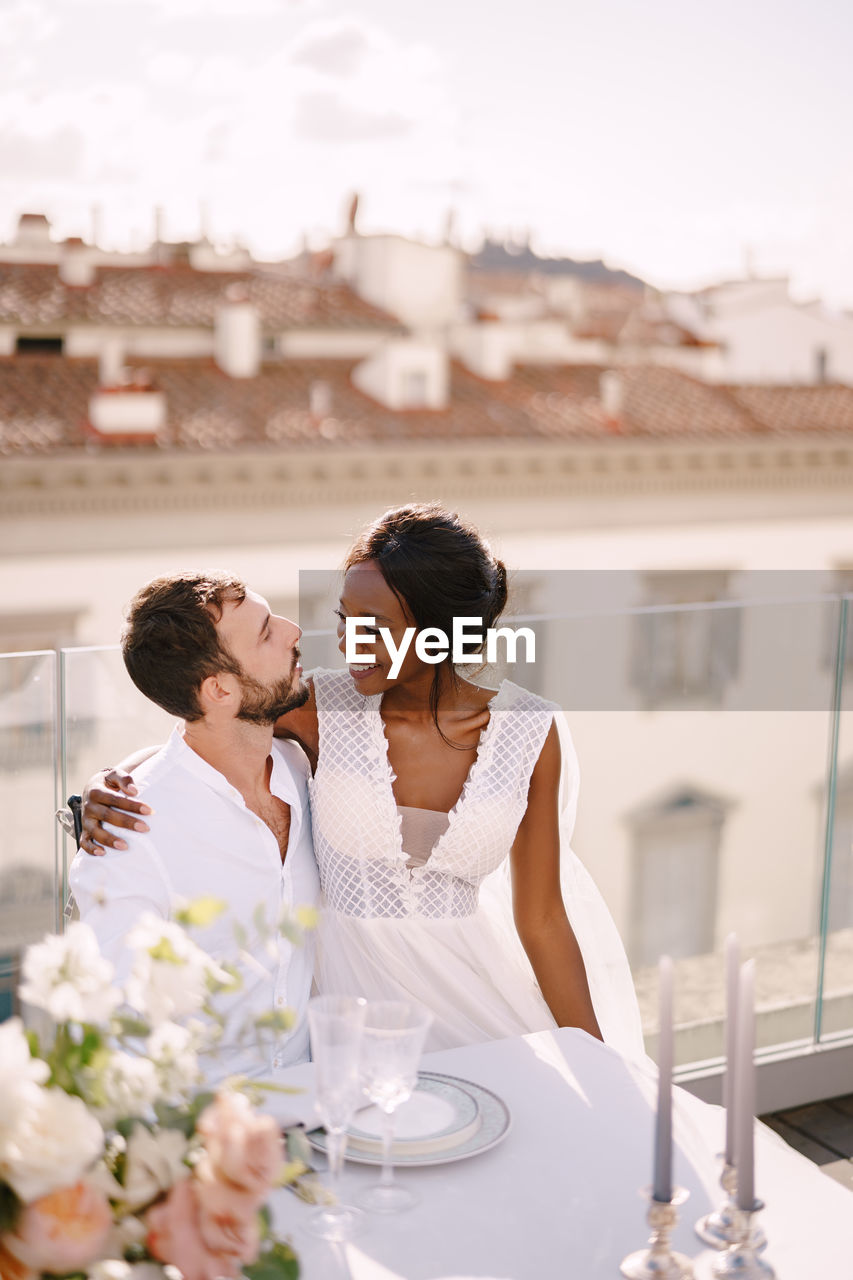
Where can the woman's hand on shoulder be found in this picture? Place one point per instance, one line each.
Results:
(108, 797)
(302, 725)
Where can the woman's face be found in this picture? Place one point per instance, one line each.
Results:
(366, 594)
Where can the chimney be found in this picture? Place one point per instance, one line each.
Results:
(76, 267)
(405, 374)
(33, 230)
(111, 364)
(611, 393)
(237, 334)
(133, 412)
(320, 399)
(96, 214)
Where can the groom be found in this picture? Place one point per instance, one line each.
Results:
(231, 801)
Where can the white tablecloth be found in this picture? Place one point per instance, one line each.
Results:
(559, 1196)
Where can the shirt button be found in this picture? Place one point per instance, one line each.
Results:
(276, 1062)
(279, 1000)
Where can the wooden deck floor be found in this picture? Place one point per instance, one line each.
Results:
(822, 1131)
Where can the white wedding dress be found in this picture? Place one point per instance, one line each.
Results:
(441, 933)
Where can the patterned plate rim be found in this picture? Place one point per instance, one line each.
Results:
(473, 1147)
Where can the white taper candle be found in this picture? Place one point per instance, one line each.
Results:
(745, 1089)
(732, 978)
(662, 1189)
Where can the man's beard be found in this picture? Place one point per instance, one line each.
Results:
(263, 704)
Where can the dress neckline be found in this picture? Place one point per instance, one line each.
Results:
(375, 707)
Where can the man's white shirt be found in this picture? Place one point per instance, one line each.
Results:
(205, 841)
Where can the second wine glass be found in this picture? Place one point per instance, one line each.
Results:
(392, 1044)
(336, 1025)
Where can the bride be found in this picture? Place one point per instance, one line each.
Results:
(442, 812)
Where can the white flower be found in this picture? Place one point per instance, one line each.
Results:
(173, 1051)
(170, 975)
(54, 1142)
(153, 1163)
(125, 1232)
(130, 1086)
(67, 975)
(111, 1269)
(20, 1074)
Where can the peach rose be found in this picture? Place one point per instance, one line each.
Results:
(244, 1148)
(12, 1269)
(63, 1231)
(228, 1218)
(174, 1236)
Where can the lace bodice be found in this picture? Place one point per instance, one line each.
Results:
(357, 826)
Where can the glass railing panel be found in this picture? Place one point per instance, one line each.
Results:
(106, 718)
(836, 1011)
(702, 734)
(29, 897)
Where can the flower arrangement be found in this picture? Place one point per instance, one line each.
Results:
(115, 1163)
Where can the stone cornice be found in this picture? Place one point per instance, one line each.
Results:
(45, 502)
(65, 483)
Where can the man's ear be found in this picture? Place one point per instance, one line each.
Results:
(218, 691)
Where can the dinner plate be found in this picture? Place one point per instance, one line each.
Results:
(446, 1119)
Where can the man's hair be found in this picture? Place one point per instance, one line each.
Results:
(170, 643)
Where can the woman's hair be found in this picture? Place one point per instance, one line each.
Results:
(439, 567)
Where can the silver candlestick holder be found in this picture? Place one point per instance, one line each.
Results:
(740, 1260)
(658, 1262)
(718, 1228)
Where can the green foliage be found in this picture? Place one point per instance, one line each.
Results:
(276, 1263)
(201, 912)
(126, 1026)
(10, 1207)
(276, 1019)
(163, 950)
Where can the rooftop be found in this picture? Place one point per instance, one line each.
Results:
(44, 406)
(34, 296)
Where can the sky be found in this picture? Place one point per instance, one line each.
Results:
(679, 141)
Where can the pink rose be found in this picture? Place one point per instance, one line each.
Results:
(228, 1217)
(244, 1148)
(62, 1231)
(12, 1269)
(174, 1236)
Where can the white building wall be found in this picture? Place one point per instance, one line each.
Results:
(330, 344)
(768, 338)
(146, 342)
(420, 284)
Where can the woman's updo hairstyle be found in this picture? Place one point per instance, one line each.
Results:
(438, 567)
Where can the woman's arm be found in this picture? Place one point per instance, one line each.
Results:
(107, 798)
(537, 900)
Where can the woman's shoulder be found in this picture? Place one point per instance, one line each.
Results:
(512, 697)
(335, 689)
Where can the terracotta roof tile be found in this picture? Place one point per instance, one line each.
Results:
(34, 296)
(44, 407)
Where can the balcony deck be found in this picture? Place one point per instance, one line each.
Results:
(823, 1132)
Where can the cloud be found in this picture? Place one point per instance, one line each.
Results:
(327, 117)
(334, 49)
(59, 153)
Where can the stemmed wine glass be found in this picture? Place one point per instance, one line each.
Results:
(394, 1035)
(336, 1025)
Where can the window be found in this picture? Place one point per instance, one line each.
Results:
(683, 655)
(675, 873)
(43, 346)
